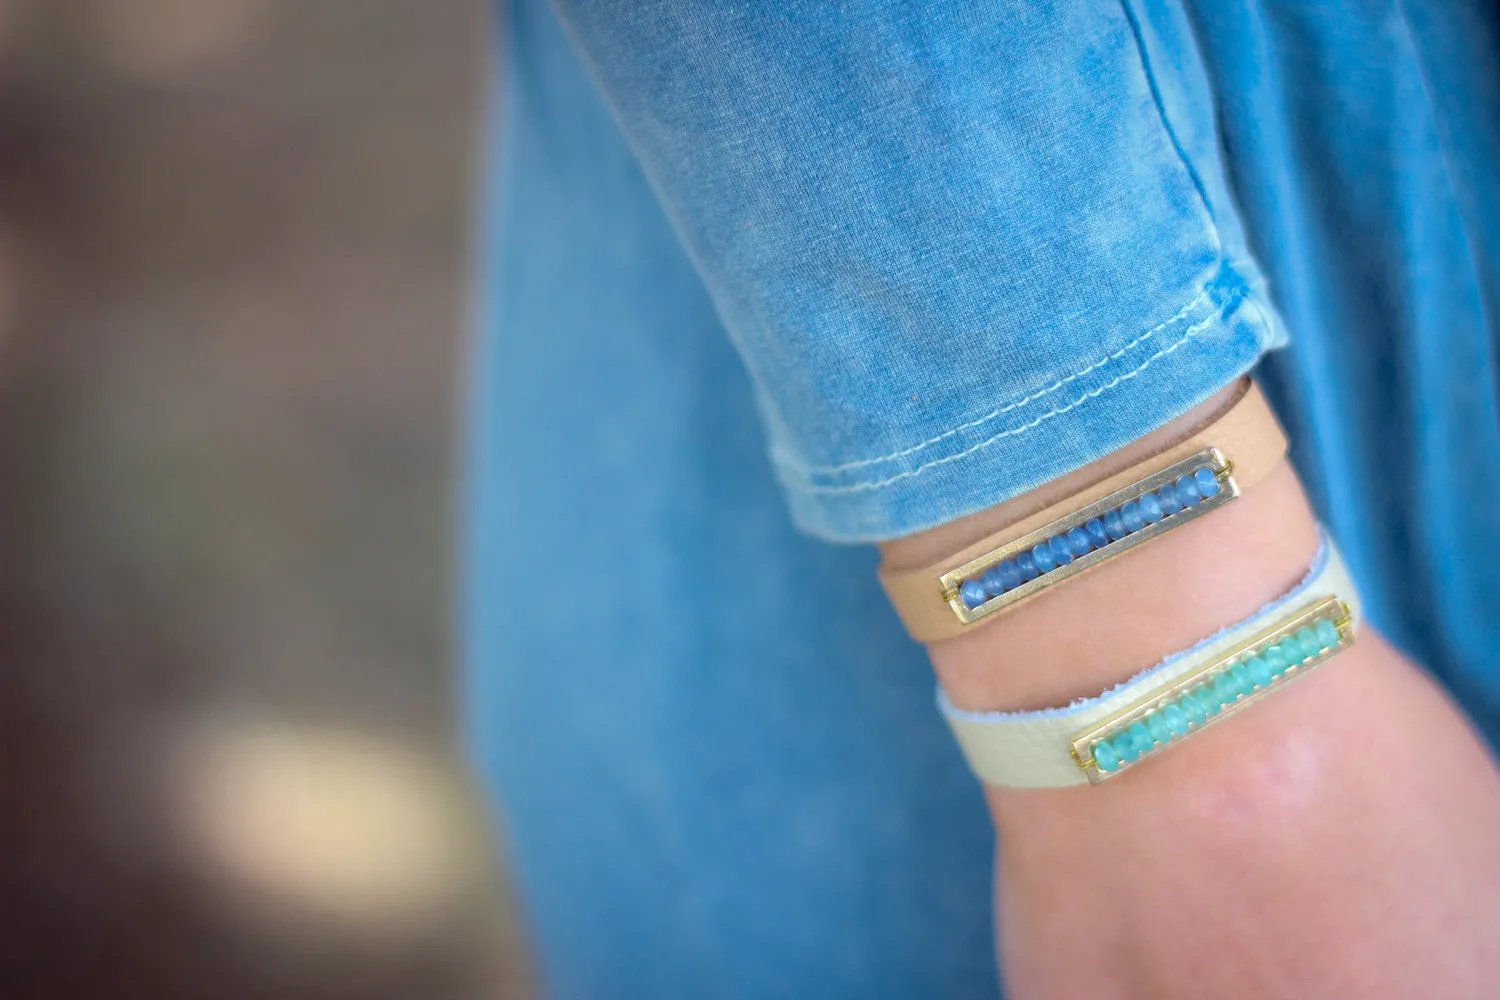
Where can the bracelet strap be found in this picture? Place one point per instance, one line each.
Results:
(1177, 697)
(1205, 469)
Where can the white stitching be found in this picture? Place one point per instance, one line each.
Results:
(1189, 334)
(789, 462)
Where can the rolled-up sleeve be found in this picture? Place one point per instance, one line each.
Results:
(963, 248)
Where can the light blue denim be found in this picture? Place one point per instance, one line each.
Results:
(865, 267)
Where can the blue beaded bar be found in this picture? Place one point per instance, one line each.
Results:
(1306, 640)
(1094, 535)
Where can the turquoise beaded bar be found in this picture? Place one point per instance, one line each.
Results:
(1221, 687)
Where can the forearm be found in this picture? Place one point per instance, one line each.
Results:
(1332, 841)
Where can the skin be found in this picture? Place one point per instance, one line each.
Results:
(1336, 840)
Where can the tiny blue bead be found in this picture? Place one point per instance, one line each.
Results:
(973, 593)
(1308, 640)
(1125, 748)
(1169, 502)
(1259, 671)
(1010, 574)
(1187, 492)
(1193, 705)
(1142, 737)
(1292, 650)
(1078, 542)
(1208, 483)
(1027, 566)
(1043, 557)
(1114, 525)
(1131, 515)
(1097, 535)
(1151, 508)
(1105, 756)
(1175, 718)
(1060, 550)
(1157, 726)
(1241, 679)
(1328, 634)
(994, 583)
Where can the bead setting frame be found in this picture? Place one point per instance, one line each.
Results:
(954, 578)
(1326, 608)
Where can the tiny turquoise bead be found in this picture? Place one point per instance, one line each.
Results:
(1105, 756)
(1225, 690)
(1328, 634)
(1187, 492)
(1308, 640)
(1175, 718)
(1151, 508)
(1027, 566)
(1125, 748)
(1098, 537)
(1193, 706)
(1156, 724)
(1078, 542)
(1132, 516)
(1208, 483)
(1292, 650)
(1240, 678)
(1142, 737)
(972, 593)
(1043, 557)
(1010, 574)
(1060, 550)
(1114, 525)
(1259, 671)
(1208, 697)
(1276, 660)
(1169, 502)
(994, 583)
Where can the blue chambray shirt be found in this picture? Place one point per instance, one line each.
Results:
(862, 268)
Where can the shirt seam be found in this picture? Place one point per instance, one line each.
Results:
(791, 463)
(1230, 302)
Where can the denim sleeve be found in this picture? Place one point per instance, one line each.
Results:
(963, 248)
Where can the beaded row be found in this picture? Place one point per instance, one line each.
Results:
(1059, 550)
(1217, 691)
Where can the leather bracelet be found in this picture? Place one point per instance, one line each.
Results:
(1095, 739)
(1206, 468)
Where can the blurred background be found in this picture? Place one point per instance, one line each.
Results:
(234, 248)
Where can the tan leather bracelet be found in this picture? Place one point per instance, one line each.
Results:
(1239, 447)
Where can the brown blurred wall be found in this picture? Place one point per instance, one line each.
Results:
(234, 253)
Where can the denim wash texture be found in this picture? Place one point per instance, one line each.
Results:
(861, 268)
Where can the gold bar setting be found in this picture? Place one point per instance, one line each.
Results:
(1214, 691)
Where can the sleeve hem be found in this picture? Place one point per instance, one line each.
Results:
(1107, 403)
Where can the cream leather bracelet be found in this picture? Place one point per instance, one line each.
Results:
(1095, 739)
(1203, 470)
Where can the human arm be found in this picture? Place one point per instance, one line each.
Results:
(1334, 840)
(962, 257)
